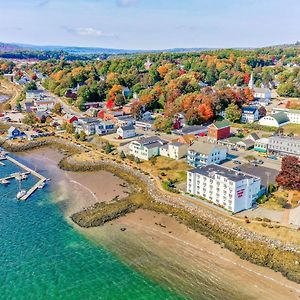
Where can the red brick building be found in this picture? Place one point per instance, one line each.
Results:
(219, 130)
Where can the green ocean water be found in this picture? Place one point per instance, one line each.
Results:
(43, 257)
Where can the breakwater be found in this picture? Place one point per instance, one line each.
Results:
(248, 245)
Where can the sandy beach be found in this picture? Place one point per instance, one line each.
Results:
(157, 245)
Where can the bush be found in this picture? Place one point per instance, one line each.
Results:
(264, 224)
(266, 220)
(258, 219)
(281, 201)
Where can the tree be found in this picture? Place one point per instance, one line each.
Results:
(108, 148)
(70, 128)
(7, 106)
(29, 119)
(57, 109)
(76, 135)
(262, 111)
(289, 176)
(82, 136)
(30, 86)
(122, 155)
(43, 119)
(233, 113)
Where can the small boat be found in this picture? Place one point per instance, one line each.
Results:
(41, 186)
(24, 176)
(21, 194)
(5, 182)
(48, 179)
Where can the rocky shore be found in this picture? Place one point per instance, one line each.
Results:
(248, 245)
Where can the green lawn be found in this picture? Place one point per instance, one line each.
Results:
(292, 128)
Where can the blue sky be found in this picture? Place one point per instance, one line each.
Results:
(150, 24)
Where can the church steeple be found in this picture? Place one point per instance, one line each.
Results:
(251, 82)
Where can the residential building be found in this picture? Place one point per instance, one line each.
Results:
(125, 120)
(194, 129)
(174, 150)
(44, 104)
(292, 114)
(252, 136)
(219, 130)
(249, 114)
(245, 144)
(233, 190)
(284, 145)
(275, 120)
(262, 94)
(261, 145)
(105, 127)
(88, 125)
(35, 95)
(147, 147)
(202, 154)
(126, 132)
(145, 125)
(14, 132)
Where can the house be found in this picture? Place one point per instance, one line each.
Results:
(126, 132)
(13, 133)
(292, 114)
(88, 105)
(245, 144)
(105, 127)
(252, 136)
(44, 104)
(88, 125)
(31, 134)
(261, 145)
(147, 147)
(203, 153)
(147, 116)
(28, 106)
(219, 130)
(249, 114)
(233, 190)
(262, 94)
(125, 120)
(70, 118)
(275, 120)
(35, 95)
(174, 150)
(145, 125)
(194, 129)
(187, 139)
(284, 145)
(110, 115)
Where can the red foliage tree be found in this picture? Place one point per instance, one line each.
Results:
(246, 78)
(206, 111)
(110, 104)
(289, 176)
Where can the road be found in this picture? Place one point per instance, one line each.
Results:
(68, 109)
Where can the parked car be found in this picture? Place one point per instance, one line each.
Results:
(237, 162)
(236, 168)
(272, 157)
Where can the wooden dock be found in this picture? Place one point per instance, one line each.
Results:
(41, 181)
(14, 175)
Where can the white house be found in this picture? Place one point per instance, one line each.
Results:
(275, 120)
(262, 94)
(105, 127)
(175, 150)
(126, 132)
(233, 190)
(147, 147)
(249, 114)
(202, 154)
(88, 125)
(292, 114)
(145, 125)
(44, 104)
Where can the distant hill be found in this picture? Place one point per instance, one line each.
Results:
(5, 47)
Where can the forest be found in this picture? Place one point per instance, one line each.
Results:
(199, 84)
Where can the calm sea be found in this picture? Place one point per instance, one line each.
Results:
(42, 257)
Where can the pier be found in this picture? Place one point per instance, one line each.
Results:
(41, 178)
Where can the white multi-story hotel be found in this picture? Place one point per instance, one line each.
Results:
(233, 190)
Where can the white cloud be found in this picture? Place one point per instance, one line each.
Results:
(126, 3)
(88, 31)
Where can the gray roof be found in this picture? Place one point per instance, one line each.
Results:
(284, 138)
(204, 148)
(178, 144)
(247, 143)
(261, 90)
(280, 117)
(152, 142)
(189, 129)
(128, 127)
(230, 174)
(254, 136)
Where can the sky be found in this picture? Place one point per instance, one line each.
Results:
(150, 24)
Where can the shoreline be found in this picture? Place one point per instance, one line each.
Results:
(172, 259)
(248, 245)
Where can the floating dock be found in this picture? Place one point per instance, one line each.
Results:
(41, 178)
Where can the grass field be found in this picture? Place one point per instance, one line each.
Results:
(292, 128)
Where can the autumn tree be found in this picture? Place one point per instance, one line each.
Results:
(29, 119)
(262, 111)
(289, 176)
(57, 109)
(233, 113)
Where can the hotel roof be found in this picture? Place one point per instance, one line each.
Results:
(213, 170)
